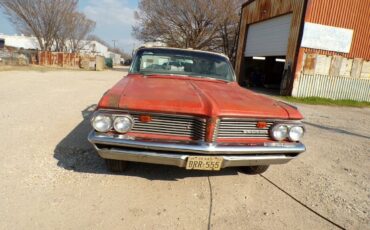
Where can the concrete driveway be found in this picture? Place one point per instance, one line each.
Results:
(51, 178)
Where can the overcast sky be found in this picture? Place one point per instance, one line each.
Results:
(113, 18)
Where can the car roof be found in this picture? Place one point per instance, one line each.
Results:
(181, 49)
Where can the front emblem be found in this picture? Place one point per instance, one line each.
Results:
(254, 131)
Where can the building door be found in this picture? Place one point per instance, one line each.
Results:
(265, 52)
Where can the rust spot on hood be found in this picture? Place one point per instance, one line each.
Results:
(113, 101)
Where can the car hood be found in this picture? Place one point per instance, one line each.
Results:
(195, 96)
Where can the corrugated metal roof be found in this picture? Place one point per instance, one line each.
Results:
(354, 14)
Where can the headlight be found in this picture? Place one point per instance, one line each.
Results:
(123, 124)
(296, 133)
(279, 132)
(102, 123)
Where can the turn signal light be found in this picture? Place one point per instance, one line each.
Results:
(261, 124)
(145, 118)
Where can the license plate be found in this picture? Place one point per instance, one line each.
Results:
(204, 163)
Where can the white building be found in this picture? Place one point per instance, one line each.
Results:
(94, 48)
(21, 41)
(116, 58)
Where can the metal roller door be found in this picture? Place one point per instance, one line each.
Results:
(268, 38)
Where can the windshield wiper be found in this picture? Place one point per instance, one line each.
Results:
(183, 75)
(165, 74)
(216, 79)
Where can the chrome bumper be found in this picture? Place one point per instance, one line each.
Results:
(169, 153)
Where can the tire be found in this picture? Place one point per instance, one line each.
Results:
(253, 170)
(116, 166)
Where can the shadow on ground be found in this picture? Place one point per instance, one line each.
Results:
(337, 130)
(75, 153)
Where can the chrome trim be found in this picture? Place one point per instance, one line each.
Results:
(215, 131)
(245, 128)
(261, 119)
(120, 111)
(180, 160)
(126, 116)
(164, 124)
(195, 147)
(289, 125)
(242, 128)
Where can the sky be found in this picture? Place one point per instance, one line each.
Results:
(114, 19)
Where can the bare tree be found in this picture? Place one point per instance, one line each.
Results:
(81, 26)
(228, 24)
(75, 28)
(42, 18)
(199, 24)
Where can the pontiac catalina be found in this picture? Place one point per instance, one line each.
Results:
(184, 108)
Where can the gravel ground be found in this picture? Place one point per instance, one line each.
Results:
(51, 178)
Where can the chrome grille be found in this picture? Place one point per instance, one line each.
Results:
(239, 128)
(185, 126)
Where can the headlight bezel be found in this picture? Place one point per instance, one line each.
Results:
(289, 127)
(112, 116)
(128, 118)
(106, 117)
(276, 127)
(301, 135)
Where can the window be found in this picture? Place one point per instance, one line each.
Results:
(153, 61)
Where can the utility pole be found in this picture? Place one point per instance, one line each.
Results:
(133, 49)
(114, 43)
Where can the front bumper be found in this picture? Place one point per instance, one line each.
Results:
(171, 153)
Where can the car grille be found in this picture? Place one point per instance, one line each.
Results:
(239, 128)
(184, 126)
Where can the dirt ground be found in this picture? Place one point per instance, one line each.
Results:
(51, 178)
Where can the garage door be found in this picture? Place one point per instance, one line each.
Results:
(268, 38)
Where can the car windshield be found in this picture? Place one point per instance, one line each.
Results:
(182, 63)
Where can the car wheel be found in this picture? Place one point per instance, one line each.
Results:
(116, 166)
(258, 169)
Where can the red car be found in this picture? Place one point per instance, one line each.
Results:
(184, 108)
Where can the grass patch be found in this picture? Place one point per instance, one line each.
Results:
(325, 101)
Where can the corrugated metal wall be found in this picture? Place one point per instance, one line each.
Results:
(58, 59)
(333, 87)
(350, 14)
